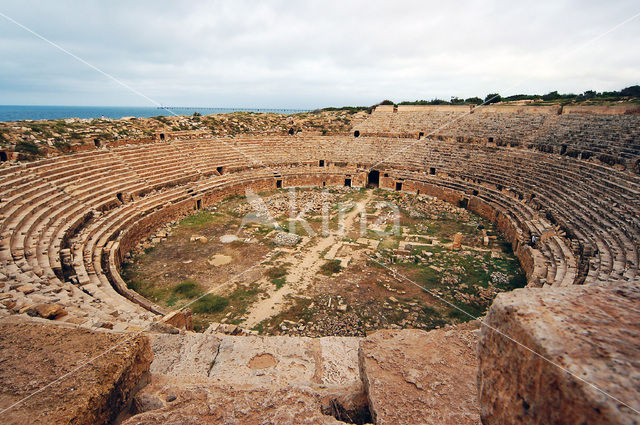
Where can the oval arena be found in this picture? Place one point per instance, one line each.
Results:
(562, 184)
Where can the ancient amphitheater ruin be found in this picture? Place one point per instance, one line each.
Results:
(78, 346)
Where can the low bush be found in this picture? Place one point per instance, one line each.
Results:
(188, 289)
(210, 304)
(331, 267)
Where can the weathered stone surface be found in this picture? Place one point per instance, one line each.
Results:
(252, 361)
(201, 402)
(590, 331)
(249, 380)
(47, 311)
(35, 353)
(185, 354)
(279, 361)
(417, 377)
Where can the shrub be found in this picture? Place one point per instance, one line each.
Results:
(331, 267)
(210, 304)
(276, 272)
(27, 147)
(279, 282)
(188, 289)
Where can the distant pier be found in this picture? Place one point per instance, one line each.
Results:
(211, 109)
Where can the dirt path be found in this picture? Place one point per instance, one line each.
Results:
(303, 270)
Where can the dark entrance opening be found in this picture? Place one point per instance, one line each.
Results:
(356, 133)
(120, 197)
(432, 171)
(475, 193)
(321, 163)
(463, 203)
(220, 170)
(563, 149)
(398, 186)
(96, 142)
(161, 136)
(421, 135)
(490, 139)
(324, 184)
(198, 204)
(3, 157)
(373, 179)
(291, 131)
(356, 412)
(347, 182)
(278, 184)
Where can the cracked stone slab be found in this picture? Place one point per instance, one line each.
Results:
(183, 354)
(197, 401)
(278, 361)
(418, 377)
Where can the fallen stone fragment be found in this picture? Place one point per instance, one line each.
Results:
(46, 311)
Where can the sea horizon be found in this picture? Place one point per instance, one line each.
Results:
(54, 112)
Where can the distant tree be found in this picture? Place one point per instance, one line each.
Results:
(456, 101)
(197, 114)
(492, 98)
(437, 101)
(631, 91)
(387, 102)
(474, 100)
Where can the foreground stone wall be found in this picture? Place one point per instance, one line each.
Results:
(534, 338)
(37, 353)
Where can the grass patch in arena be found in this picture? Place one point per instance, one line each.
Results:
(187, 289)
(210, 304)
(197, 220)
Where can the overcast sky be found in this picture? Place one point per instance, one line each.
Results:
(307, 54)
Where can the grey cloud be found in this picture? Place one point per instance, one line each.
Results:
(311, 53)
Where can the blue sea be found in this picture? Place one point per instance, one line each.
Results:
(28, 112)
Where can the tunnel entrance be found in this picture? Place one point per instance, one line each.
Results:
(291, 131)
(398, 186)
(356, 133)
(3, 157)
(373, 178)
(347, 182)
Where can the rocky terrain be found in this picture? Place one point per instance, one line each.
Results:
(28, 139)
(338, 284)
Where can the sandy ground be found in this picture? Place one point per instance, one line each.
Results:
(303, 270)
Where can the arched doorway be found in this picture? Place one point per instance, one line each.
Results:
(356, 133)
(373, 178)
